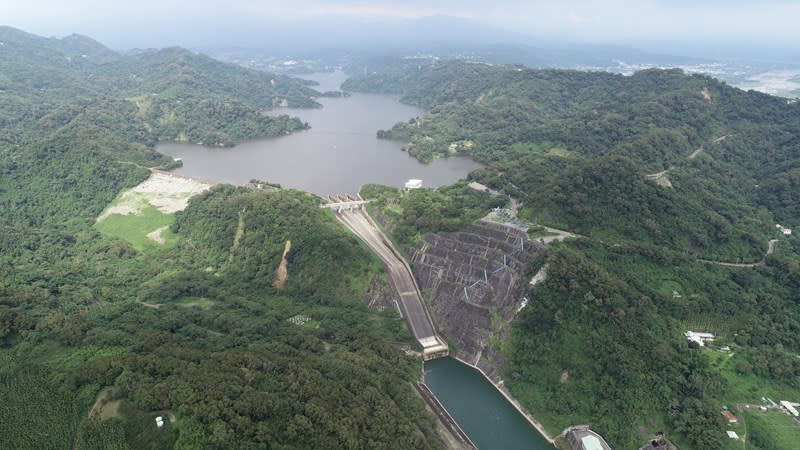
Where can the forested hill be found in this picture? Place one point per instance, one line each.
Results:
(98, 337)
(80, 63)
(726, 154)
(176, 94)
(662, 174)
(655, 116)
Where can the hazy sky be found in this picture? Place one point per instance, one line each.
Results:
(132, 23)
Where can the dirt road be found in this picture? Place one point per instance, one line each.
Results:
(770, 250)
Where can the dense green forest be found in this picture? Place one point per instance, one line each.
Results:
(170, 94)
(411, 215)
(661, 174)
(559, 138)
(196, 332)
(199, 331)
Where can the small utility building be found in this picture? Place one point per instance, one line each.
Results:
(790, 408)
(730, 417)
(413, 184)
(783, 230)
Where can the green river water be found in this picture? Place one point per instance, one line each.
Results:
(481, 411)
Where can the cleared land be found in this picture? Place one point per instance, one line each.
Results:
(142, 215)
(771, 429)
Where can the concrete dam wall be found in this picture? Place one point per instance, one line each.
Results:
(475, 282)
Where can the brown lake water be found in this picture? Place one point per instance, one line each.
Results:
(338, 154)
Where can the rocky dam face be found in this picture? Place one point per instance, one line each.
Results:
(475, 282)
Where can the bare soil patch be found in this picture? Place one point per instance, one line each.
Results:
(155, 235)
(166, 192)
(283, 269)
(102, 407)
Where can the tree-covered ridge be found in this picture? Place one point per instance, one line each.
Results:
(658, 173)
(602, 352)
(723, 148)
(187, 121)
(77, 64)
(200, 331)
(655, 116)
(196, 331)
(180, 95)
(611, 198)
(607, 329)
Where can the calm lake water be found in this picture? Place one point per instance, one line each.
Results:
(338, 154)
(481, 411)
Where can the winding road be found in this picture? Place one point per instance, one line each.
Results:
(661, 177)
(770, 250)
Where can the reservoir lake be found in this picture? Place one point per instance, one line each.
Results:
(339, 154)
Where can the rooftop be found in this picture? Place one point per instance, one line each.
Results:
(413, 183)
(591, 443)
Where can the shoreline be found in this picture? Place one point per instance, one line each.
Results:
(528, 416)
(169, 173)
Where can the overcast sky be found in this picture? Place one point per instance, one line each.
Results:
(140, 23)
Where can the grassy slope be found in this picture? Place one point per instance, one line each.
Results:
(781, 430)
(133, 228)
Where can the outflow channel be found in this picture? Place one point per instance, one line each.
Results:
(482, 412)
(489, 420)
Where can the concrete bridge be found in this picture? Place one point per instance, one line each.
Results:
(349, 210)
(344, 202)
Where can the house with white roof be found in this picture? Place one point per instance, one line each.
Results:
(700, 338)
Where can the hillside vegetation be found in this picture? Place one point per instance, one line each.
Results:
(170, 94)
(663, 175)
(193, 331)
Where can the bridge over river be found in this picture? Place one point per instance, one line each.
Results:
(349, 210)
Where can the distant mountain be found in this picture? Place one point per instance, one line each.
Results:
(359, 58)
(175, 94)
(79, 65)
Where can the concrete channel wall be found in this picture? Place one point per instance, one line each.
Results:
(411, 302)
